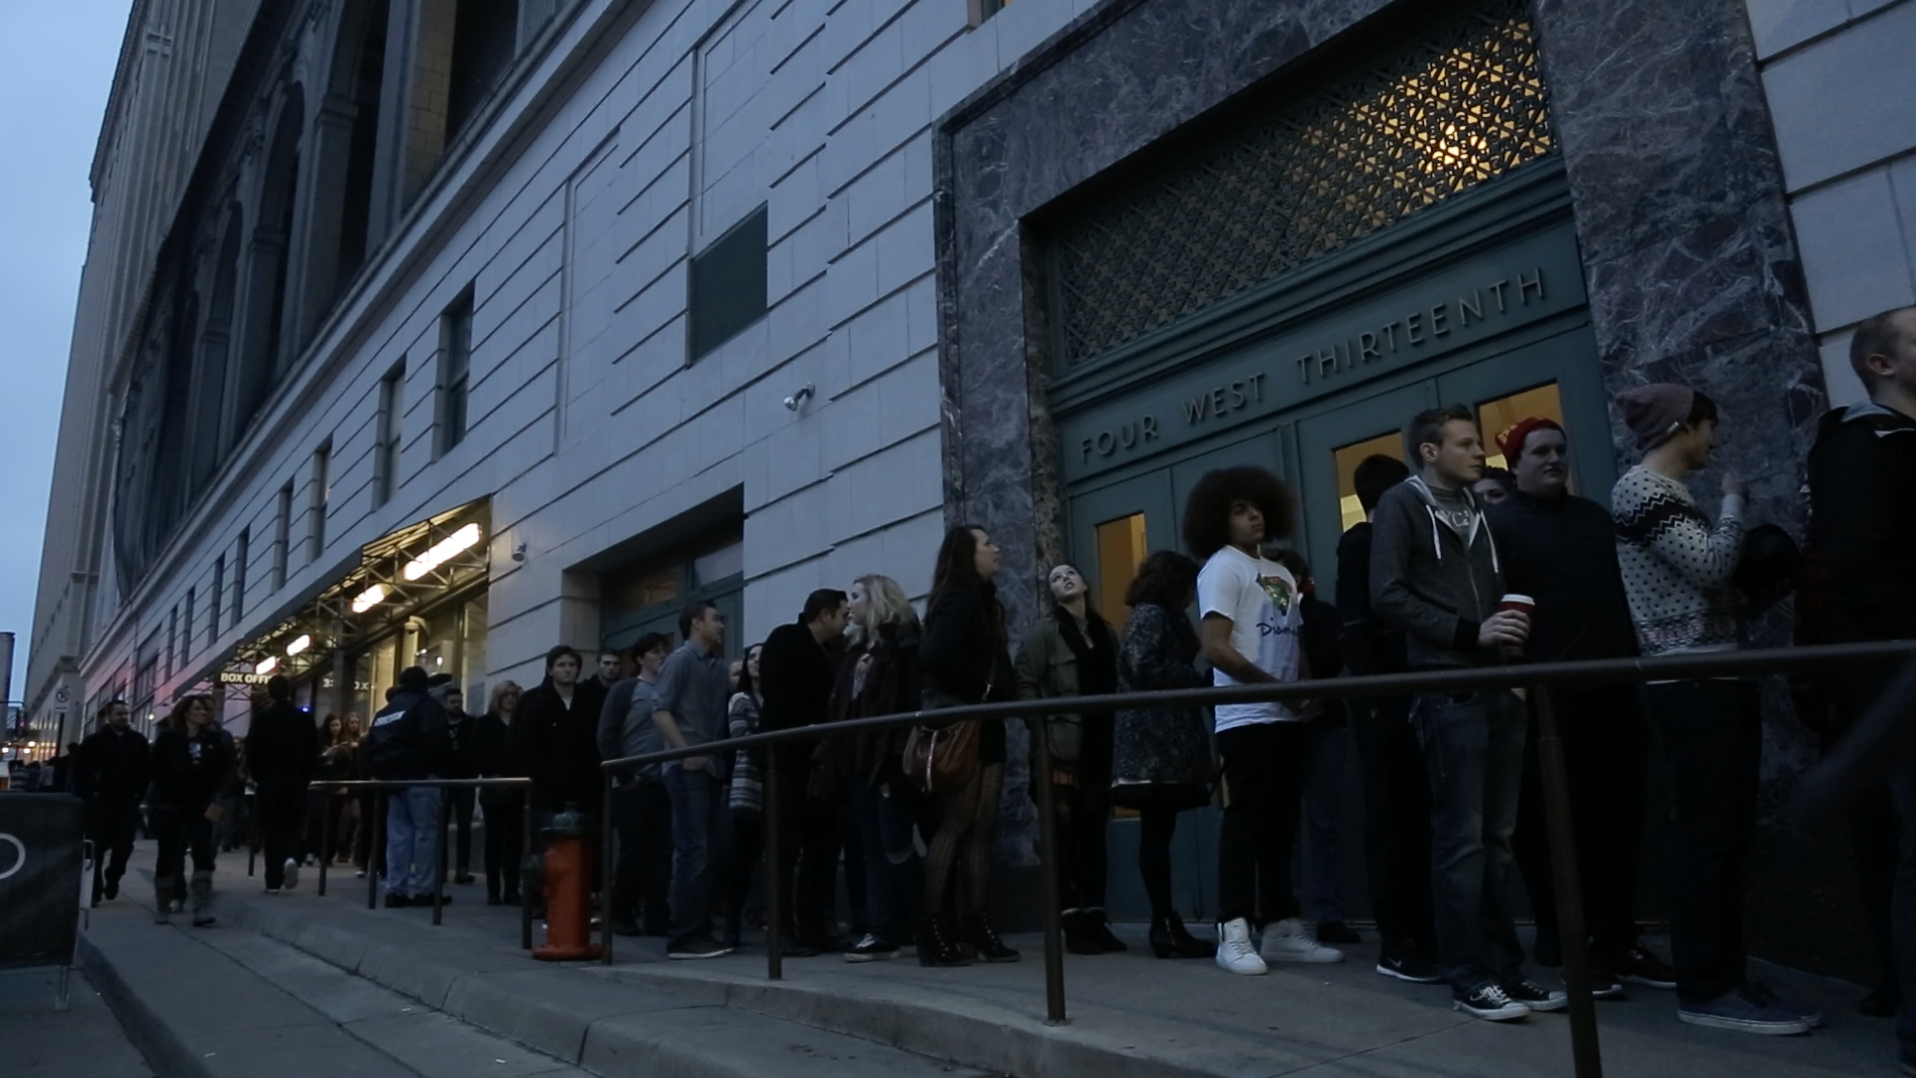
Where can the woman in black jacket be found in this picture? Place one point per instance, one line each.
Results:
(193, 764)
(501, 810)
(881, 675)
(1161, 760)
(965, 661)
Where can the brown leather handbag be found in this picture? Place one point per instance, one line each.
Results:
(943, 759)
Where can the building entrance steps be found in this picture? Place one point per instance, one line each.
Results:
(1131, 1014)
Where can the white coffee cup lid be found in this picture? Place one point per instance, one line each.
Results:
(1515, 598)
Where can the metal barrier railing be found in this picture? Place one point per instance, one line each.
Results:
(381, 790)
(1540, 680)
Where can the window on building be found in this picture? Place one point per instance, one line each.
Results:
(172, 640)
(186, 638)
(213, 606)
(243, 555)
(316, 503)
(282, 535)
(1121, 550)
(980, 10)
(386, 438)
(455, 366)
(728, 284)
(485, 34)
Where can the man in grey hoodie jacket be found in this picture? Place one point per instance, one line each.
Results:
(1435, 576)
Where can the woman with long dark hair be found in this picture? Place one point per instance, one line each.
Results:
(965, 661)
(1161, 760)
(1070, 651)
(745, 803)
(337, 745)
(193, 765)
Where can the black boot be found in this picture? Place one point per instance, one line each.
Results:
(984, 939)
(1098, 928)
(936, 944)
(1077, 936)
(1170, 940)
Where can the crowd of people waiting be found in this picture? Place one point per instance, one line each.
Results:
(1454, 566)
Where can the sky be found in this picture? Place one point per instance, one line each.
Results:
(56, 66)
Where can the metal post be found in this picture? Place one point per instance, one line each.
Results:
(439, 855)
(1584, 1049)
(325, 839)
(606, 889)
(525, 853)
(773, 876)
(1048, 874)
(376, 850)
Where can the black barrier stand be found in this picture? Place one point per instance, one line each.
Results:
(1586, 1054)
(325, 840)
(376, 850)
(439, 857)
(1048, 871)
(45, 882)
(525, 858)
(773, 878)
(606, 880)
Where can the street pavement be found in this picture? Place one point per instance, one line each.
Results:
(1131, 1015)
(84, 1041)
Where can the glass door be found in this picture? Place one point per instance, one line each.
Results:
(1112, 529)
(1332, 444)
(1556, 378)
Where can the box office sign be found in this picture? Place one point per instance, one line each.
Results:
(1473, 301)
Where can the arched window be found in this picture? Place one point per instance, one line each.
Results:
(208, 437)
(265, 350)
(346, 142)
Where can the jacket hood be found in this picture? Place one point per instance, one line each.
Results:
(1882, 418)
(1478, 524)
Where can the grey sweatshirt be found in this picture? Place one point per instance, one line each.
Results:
(1435, 581)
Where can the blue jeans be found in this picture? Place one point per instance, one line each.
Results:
(412, 841)
(1327, 748)
(1473, 753)
(697, 798)
(893, 876)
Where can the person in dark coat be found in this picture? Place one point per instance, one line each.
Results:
(459, 765)
(554, 738)
(407, 742)
(1862, 479)
(110, 776)
(966, 660)
(1161, 760)
(282, 752)
(1561, 551)
(795, 680)
(503, 809)
(193, 765)
(1327, 750)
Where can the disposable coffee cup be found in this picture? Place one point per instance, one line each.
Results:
(1522, 604)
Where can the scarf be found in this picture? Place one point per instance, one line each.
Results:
(1097, 657)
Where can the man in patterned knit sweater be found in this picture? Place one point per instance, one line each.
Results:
(1677, 569)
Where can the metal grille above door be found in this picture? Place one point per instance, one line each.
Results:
(1459, 101)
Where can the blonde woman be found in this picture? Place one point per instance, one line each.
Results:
(501, 809)
(881, 676)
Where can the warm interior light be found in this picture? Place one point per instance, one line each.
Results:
(443, 551)
(369, 598)
(300, 643)
(266, 665)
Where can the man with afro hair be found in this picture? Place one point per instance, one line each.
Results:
(1250, 619)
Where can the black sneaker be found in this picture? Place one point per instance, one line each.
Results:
(1746, 1012)
(1490, 1003)
(1411, 967)
(394, 902)
(426, 900)
(1337, 932)
(696, 945)
(1535, 996)
(871, 949)
(624, 926)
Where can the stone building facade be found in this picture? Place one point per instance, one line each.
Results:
(473, 333)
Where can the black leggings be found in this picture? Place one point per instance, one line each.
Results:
(505, 837)
(1082, 865)
(1157, 825)
(961, 848)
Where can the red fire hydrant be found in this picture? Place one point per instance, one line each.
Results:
(568, 890)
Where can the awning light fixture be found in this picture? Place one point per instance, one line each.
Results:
(266, 665)
(300, 643)
(369, 598)
(444, 551)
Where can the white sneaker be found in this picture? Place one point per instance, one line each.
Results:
(1289, 941)
(1235, 952)
(292, 874)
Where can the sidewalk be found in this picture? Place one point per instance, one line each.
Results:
(37, 1041)
(1131, 1015)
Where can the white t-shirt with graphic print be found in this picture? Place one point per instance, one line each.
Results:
(1260, 597)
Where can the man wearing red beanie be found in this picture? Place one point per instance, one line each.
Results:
(1561, 550)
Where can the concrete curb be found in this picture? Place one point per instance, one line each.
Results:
(156, 1040)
